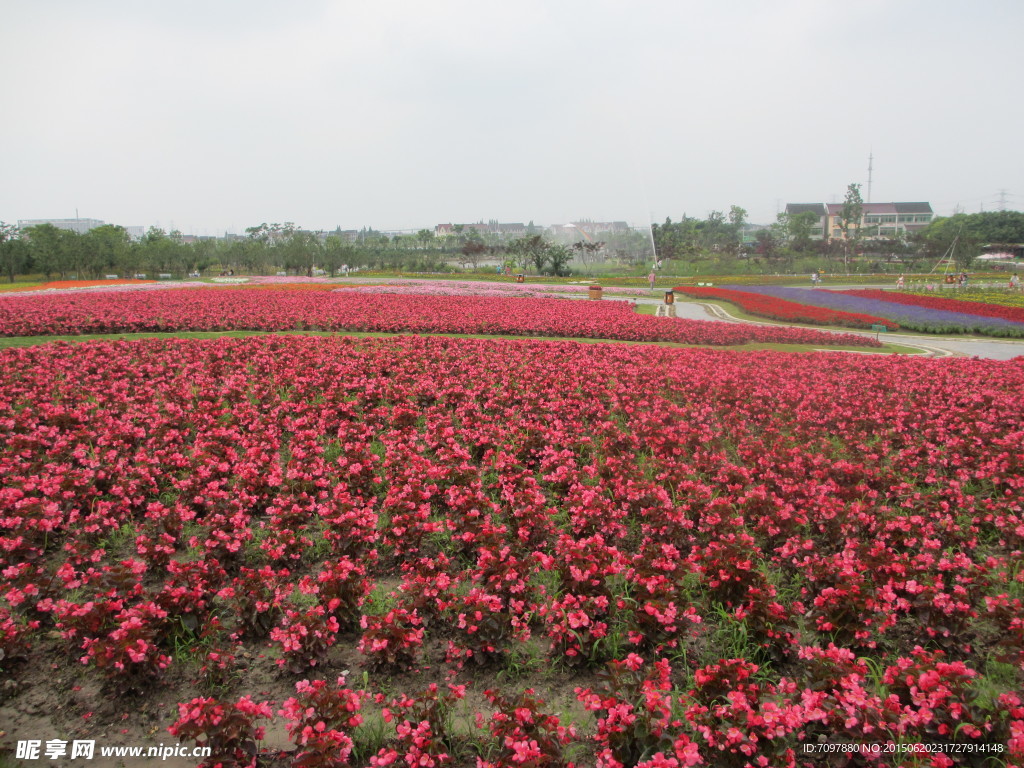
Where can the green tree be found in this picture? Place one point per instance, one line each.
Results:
(108, 248)
(530, 250)
(300, 250)
(588, 252)
(201, 256)
(737, 220)
(14, 254)
(677, 240)
(163, 253)
(337, 252)
(426, 237)
(850, 218)
(975, 230)
(956, 237)
(769, 243)
(48, 247)
(473, 249)
(798, 229)
(559, 256)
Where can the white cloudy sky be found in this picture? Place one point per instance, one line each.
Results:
(212, 115)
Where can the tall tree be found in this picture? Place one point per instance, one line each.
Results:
(13, 253)
(532, 249)
(426, 237)
(850, 218)
(798, 229)
(588, 251)
(48, 247)
(559, 256)
(737, 220)
(473, 249)
(108, 247)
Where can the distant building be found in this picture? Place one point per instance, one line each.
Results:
(588, 230)
(879, 221)
(499, 229)
(81, 226)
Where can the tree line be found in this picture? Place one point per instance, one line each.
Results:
(265, 249)
(271, 248)
(725, 240)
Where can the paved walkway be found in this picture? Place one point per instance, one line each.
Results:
(935, 346)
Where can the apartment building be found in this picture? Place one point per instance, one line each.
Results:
(879, 221)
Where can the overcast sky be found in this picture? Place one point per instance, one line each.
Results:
(210, 116)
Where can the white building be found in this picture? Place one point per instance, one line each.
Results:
(81, 226)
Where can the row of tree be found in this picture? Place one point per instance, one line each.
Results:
(268, 248)
(722, 237)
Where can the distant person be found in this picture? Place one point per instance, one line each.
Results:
(1014, 281)
(899, 282)
(651, 278)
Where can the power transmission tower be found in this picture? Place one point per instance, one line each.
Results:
(1002, 200)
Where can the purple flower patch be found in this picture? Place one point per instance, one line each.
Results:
(910, 317)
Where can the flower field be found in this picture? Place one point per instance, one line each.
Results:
(487, 288)
(928, 319)
(429, 551)
(1003, 298)
(789, 311)
(977, 307)
(281, 310)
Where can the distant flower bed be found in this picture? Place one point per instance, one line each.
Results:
(281, 310)
(92, 283)
(484, 288)
(63, 284)
(294, 280)
(80, 287)
(789, 311)
(979, 305)
(303, 286)
(925, 319)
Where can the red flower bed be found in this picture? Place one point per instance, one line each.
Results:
(755, 551)
(1016, 314)
(789, 311)
(281, 310)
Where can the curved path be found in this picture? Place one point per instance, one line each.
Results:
(935, 346)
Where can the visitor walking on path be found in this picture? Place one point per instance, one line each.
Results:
(651, 278)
